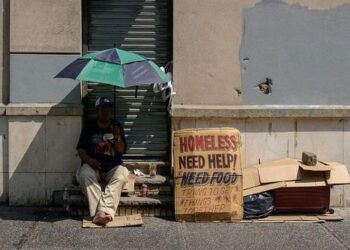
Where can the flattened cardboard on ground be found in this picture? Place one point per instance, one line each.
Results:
(300, 218)
(208, 192)
(118, 221)
(263, 188)
(280, 170)
(339, 175)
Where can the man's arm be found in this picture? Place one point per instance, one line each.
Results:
(89, 160)
(83, 144)
(119, 144)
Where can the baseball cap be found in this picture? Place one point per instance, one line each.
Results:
(103, 101)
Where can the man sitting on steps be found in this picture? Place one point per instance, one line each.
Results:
(100, 148)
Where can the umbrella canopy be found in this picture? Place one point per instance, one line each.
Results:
(114, 67)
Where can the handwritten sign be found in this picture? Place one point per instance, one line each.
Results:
(208, 181)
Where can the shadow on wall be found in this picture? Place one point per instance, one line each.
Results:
(32, 79)
(139, 26)
(42, 148)
(41, 156)
(143, 29)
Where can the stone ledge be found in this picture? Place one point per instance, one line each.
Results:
(77, 198)
(156, 180)
(2, 109)
(260, 111)
(47, 109)
(163, 168)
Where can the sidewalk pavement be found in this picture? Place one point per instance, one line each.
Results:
(50, 228)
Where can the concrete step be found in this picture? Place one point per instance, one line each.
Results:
(156, 185)
(163, 168)
(145, 211)
(156, 205)
(154, 200)
(149, 180)
(154, 190)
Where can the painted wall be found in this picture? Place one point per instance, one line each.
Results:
(45, 26)
(301, 45)
(41, 157)
(4, 170)
(32, 79)
(305, 53)
(45, 37)
(4, 50)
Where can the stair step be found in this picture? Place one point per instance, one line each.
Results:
(156, 180)
(157, 205)
(145, 211)
(160, 200)
(156, 185)
(163, 168)
(154, 190)
(79, 199)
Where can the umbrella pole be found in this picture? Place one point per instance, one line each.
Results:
(114, 102)
(114, 93)
(136, 89)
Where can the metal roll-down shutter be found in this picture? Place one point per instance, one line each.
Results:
(143, 27)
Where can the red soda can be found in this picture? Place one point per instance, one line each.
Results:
(143, 191)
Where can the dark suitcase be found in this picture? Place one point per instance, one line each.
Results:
(294, 200)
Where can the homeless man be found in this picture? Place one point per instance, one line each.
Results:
(100, 148)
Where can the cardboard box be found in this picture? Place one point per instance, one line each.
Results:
(263, 188)
(339, 175)
(280, 170)
(207, 170)
(292, 173)
(251, 177)
(319, 167)
(309, 179)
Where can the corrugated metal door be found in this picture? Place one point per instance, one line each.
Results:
(140, 26)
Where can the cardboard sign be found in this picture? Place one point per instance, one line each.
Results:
(208, 175)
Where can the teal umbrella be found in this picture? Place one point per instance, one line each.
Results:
(114, 67)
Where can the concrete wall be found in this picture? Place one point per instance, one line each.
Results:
(223, 49)
(30, 73)
(302, 51)
(4, 170)
(45, 26)
(208, 60)
(4, 50)
(39, 27)
(41, 156)
(265, 139)
(44, 114)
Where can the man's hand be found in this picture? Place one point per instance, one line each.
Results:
(116, 132)
(119, 145)
(93, 163)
